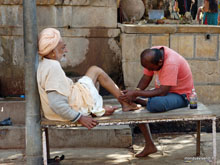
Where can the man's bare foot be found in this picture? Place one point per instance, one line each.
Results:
(109, 110)
(147, 151)
(141, 101)
(130, 107)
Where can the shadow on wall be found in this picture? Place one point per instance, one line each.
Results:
(11, 87)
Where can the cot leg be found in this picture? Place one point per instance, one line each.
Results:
(198, 138)
(46, 148)
(214, 141)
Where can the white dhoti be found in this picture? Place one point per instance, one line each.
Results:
(85, 97)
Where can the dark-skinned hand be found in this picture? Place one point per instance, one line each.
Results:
(87, 122)
(128, 96)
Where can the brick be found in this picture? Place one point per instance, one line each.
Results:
(206, 48)
(51, 2)
(45, 12)
(42, 2)
(13, 109)
(160, 40)
(208, 94)
(77, 17)
(58, 2)
(13, 137)
(205, 71)
(133, 45)
(17, 52)
(183, 44)
(62, 16)
(11, 16)
(66, 2)
(93, 17)
(98, 3)
(132, 71)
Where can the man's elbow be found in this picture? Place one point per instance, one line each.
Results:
(164, 93)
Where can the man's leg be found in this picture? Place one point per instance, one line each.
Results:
(165, 103)
(149, 144)
(159, 104)
(97, 74)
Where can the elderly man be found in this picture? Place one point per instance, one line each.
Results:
(63, 100)
(173, 85)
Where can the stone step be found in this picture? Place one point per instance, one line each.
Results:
(16, 109)
(13, 137)
(13, 109)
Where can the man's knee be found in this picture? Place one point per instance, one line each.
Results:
(95, 69)
(155, 105)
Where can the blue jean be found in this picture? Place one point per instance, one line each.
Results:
(165, 103)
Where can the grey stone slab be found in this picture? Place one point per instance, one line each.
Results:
(62, 16)
(66, 32)
(98, 137)
(12, 156)
(174, 153)
(13, 109)
(174, 28)
(13, 137)
(64, 2)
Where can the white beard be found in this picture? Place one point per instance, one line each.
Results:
(63, 59)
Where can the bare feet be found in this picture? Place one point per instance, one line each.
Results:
(109, 110)
(141, 101)
(130, 107)
(147, 151)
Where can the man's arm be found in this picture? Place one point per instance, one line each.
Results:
(60, 106)
(162, 91)
(144, 82)
(131, 95)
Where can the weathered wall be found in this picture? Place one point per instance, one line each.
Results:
(89, 27)
(198, 44)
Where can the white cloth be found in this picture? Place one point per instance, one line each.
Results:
(51, 77)
(97, 108)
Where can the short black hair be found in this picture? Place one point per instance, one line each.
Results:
(157, 55)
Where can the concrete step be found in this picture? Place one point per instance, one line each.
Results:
(16, 109)
(172, 149)
(13, 109)
(13, 137)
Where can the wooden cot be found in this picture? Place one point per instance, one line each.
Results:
(142, 116)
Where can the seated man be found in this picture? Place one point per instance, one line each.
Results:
(63, 100)
(173, 86)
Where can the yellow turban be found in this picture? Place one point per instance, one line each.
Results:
(48, 40)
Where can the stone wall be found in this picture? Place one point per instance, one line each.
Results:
(89, 28)
(198, 44)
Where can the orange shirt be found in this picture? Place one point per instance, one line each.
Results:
(175, 72)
